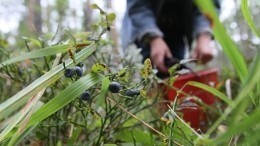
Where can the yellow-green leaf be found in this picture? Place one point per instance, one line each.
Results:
(121, 72)
(94, 6)
(146, 71)
(143, 93)
(111, 17)
(172, 80)
(99, 67)
(172, 70)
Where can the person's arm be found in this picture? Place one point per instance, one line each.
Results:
(200, 23)
(202, 33)
(143, 19)
(145, 30)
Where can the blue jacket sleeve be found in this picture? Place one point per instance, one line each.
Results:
(142, 17)
(201, 23)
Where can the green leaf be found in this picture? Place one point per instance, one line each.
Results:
(19, 99)
(64, 98)
(110, 145)
(111, 17)
(211, 90)
(248, 123)
(137, 136)
(172, 80)
(20, 133)
(53, 50)
(252, 79)
(99, 67)
(247, 15)
(104, 90)
(36, 54)
(121, 72)
(95, 6)
(34, 41)
(172, 70)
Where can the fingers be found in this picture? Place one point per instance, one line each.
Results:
(159, 51)
(194, 55)
(158, 61)
(204, 50)
(202, 57)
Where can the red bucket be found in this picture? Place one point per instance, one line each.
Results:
(195, 115)
(208, 77)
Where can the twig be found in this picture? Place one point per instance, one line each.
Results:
(5, 76)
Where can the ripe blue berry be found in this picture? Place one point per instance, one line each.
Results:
(69, 72)
(114, 87)
(79, 71)
(132, 92)
(85, 96)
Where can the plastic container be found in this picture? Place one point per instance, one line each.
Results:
(209, 77)
(192, 112)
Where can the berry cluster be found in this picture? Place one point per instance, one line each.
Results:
(114, 87)
(71, 72)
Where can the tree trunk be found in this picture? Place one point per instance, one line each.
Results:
(34, 17)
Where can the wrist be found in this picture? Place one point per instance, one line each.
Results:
(149, 38)
(204, 37)
(154, 40)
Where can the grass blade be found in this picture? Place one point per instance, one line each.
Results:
(250, 122)
(247, 15)
(211, 90)
(64, 98)
(53, 50)
(252, 79)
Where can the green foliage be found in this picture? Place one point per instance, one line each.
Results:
(46, 106)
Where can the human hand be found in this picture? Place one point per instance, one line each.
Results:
(204, 50)
(159, 51)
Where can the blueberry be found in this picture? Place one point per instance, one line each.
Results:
(85, 96)
(79, 71)
(132, 92)
(69, 72)
(114, 87)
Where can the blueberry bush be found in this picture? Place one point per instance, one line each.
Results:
(76, 92)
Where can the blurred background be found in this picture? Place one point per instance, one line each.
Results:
(34, 18)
